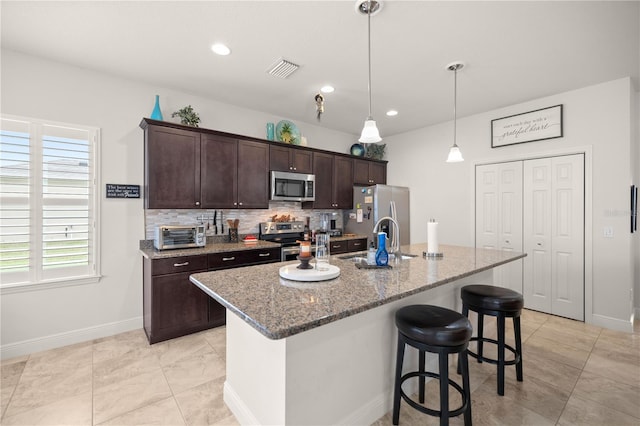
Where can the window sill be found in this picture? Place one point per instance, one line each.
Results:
(47, 285)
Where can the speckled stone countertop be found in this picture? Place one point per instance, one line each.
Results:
(147, 249)
(152, 253)
(279, 308)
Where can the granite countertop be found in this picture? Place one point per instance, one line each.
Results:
(279, 308)
(148, 251)
(152, 253)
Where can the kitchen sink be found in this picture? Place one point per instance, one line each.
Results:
(362, 257)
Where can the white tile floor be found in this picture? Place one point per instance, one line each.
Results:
(574, 374)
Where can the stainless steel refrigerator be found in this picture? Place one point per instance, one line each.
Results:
(371, 203)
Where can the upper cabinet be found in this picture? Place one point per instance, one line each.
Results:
(171, 168)
(289, 159)
(334, 182)
(192, 168)
(189, 169)
(369, 172)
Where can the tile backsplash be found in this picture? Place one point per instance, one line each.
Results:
(248, 219)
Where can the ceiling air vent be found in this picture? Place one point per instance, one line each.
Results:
(282, 68)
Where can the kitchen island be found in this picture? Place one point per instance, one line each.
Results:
(323, 352)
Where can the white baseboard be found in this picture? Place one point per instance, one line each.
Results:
(612, 323)
(237, 407)
(53, 341)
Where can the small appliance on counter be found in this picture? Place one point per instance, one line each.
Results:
(169, 237)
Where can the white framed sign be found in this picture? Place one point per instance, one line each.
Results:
(545, 123)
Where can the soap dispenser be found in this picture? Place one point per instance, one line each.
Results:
(371, 254)
(382, 256)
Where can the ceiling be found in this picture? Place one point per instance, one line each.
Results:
(514, 51)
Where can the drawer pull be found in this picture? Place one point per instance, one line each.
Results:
(226, 259)
(264, 254)
(337, 246)
(181, 264)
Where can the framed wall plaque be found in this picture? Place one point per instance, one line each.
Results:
(545, 123)
(122, 191)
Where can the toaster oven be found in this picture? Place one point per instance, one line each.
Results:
(179, 236)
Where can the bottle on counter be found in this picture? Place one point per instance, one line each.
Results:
(371, 254)
(382, 256)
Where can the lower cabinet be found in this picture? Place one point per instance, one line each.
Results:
(173, 306)
(347, 246)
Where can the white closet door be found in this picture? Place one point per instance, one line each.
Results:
(499, 216)
(537, 234)
(554, 235)
(487, 206)
(567, 227)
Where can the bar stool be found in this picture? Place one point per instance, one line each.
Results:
(501, 303)
(436, 330)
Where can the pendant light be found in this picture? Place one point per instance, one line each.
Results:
(370, 132)
(455, 156)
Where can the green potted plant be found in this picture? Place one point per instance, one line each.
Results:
(187, 116)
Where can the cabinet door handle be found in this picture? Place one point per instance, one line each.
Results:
(264, 254)
(235, 204)
(290, 167)
(540, 244)
(197, 203)
(295, 168)
(506, 241)
(226, 259)
(181, 264)
(240, 204)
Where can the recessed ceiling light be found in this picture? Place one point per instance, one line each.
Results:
(220, 49)
(392, 113)
(327, 89)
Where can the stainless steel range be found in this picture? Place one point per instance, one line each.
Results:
(287, 234)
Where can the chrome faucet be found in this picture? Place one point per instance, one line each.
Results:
(394, 246)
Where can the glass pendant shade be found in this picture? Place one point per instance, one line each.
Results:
(455, 156)
(370, 132)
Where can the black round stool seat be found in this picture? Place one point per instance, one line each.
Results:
(437, 330)
(433, 325)
(501, 303)
(492, 298)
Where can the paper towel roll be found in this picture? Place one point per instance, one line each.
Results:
(432, 237)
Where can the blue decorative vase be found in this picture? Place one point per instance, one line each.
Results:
(157, 114)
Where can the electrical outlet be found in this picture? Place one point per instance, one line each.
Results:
(608, 232)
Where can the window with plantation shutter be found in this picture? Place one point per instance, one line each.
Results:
(48, 203)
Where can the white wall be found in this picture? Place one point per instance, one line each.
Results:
(597, 119)
(34, 87)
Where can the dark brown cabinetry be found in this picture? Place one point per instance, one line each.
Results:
(234, 173)
(347, 246)
(289, 159)
(187, 169)
(173, 306)
(334, 182)
(235, 259)
(172, 168)
(366, 172)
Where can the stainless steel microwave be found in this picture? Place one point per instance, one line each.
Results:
(177, 236)
(287, 186)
